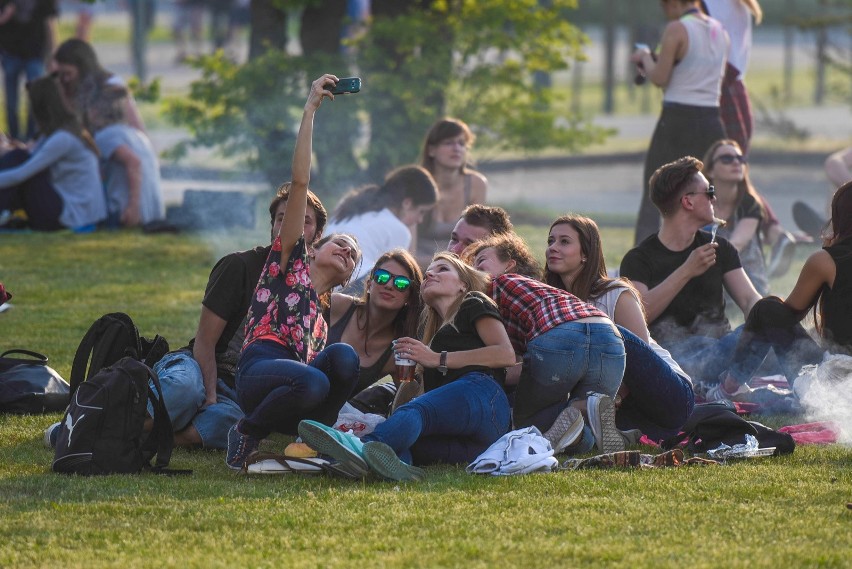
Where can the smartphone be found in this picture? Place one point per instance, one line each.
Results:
(641, 46)
(346, 85)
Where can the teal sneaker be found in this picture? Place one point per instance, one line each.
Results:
(383, 461)
(346, 448)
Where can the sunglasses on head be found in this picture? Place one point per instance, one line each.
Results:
(729, 159)
(400, 283)
(710, 193)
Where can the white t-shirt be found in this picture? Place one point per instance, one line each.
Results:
(606, 303)
(736, 18)
(109, 139)
(377, 232)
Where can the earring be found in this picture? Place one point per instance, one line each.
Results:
(583, 260)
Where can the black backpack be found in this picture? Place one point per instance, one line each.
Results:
(110, 338)
(102, 429)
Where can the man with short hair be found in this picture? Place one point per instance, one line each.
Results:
(681, 272)
(476, 223)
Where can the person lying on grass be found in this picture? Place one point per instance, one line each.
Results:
(285, 372)
(463, 353)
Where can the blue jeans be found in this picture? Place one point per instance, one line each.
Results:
(705, 358)
(568, 361)
(184, 395)
(659, 401)
(772, 324)
(276, 391)
(452, 424)
(14, 68)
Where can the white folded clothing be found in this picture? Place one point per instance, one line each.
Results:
(521, 451)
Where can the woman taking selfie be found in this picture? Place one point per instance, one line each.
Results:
(285, 372)
(463, 352)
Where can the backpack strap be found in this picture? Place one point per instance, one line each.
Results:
(80, 368)
(160, 440)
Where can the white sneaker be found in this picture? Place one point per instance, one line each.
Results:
(601, 411)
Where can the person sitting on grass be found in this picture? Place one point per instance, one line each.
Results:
(381, 217)
(573, 356)
(824, 284)
(286, 373)
(656, 395)
(131, 172)
(477, 222)
(198, 380)
(59, 184)
(681, 271)
(463, 353)
(387, 309)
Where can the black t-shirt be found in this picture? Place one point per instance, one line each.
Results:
(699, 307)
(461, 336)
(25, 35)
(228, 295)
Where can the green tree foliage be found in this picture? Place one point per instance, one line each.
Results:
(419, 60)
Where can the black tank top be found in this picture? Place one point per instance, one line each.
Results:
(367, 376)
(837, 300)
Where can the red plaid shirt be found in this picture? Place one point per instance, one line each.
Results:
(530, 307)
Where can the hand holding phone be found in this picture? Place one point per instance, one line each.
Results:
(346, 85)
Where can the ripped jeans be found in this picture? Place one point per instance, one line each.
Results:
(567, 362)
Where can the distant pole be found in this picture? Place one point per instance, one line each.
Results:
(541, 79)
(609, 57)
(821, 43)
(139, 37)
(789, 39)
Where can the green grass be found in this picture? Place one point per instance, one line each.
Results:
(779, 512)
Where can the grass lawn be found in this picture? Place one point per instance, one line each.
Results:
(779, 512)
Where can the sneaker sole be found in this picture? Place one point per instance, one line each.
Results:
(324, 443)
(571, 431)
(384, 461)
(268, 466)
(607, 439)
(808, 220)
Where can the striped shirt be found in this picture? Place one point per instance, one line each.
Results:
(530, 308)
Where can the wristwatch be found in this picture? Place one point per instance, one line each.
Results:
(442, 366)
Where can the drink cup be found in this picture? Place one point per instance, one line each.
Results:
(404, 367)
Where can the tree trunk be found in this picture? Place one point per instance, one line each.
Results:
(268, 28)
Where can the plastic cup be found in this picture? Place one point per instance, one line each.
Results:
(404, 367)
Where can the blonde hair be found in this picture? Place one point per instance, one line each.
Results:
(474, 281)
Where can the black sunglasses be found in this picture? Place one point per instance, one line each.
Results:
(400, 283)
(710, 193)
(729, 159)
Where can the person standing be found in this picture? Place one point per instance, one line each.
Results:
(27, 30)
(689, 66)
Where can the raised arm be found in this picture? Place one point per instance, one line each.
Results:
(297, 204)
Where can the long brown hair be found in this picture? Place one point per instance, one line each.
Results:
(841, 230)
(51, 113)
(473, 280)
(405, 322)
(593, 280)
(744, 186)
